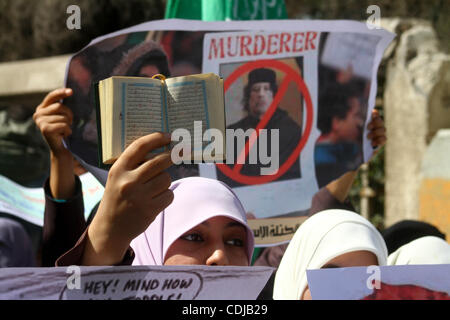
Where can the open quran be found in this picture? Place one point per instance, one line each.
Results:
(131, 107)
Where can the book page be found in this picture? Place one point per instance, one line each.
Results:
(106, 115)
(195, 98)
(102, 112)
(141, 109)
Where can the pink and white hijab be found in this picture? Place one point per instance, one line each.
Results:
(196, 200)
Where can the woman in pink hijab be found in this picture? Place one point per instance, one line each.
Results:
(205, 224)
(190, 221)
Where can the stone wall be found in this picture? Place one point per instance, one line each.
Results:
(416, 105)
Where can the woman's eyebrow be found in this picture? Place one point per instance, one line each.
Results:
(235, 224)
(205, 223)
(228, 225)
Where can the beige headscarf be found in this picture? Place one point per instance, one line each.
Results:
(425, 250)
(321, 238)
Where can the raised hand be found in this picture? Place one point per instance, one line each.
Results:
(54, 119)
(137, 189)
(377, 134)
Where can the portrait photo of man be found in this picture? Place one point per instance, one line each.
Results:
(258, 94)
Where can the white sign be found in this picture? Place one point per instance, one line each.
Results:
(134, 283)
(29, 203)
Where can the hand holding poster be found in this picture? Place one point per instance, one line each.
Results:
(296, 115)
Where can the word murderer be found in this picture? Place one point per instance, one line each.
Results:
(257, 44)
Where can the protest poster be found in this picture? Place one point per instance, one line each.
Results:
(133, 283)
(402, 282)
(311, 88)
(29, 203)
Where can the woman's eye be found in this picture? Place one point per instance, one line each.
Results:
(236, 242)
(192, 237)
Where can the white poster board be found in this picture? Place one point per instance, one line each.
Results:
(407, 282)
(133, 283)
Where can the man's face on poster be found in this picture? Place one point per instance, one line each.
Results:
(261, 96)
(349, 128)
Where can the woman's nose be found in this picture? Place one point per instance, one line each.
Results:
(218, 257)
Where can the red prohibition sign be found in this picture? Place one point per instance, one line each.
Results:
(291, 75)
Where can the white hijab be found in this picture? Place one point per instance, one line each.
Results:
(425, 250)
(321, 238)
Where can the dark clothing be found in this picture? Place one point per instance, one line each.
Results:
(75, 255)
(290, 134)
(64, 223)
(16, 249)
(406, 231)
(65, 230)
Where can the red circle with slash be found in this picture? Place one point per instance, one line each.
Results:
(291, 75)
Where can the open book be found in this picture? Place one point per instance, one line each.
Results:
(131, 107)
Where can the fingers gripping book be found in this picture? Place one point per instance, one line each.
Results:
(131, 107)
